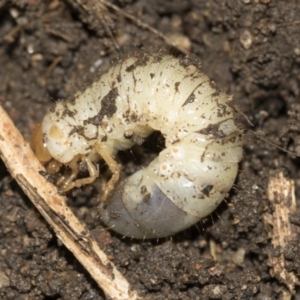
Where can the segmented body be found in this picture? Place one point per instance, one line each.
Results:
(142, 94)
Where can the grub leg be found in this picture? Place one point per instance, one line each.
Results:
(71, 182)
(113, 166)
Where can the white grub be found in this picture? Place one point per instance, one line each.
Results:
(142, 94)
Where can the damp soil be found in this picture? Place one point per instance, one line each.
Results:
(251, 49)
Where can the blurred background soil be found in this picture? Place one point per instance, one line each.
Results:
(251, 49)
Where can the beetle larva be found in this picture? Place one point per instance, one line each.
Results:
(142, 94)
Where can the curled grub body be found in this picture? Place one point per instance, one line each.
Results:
(142, 94)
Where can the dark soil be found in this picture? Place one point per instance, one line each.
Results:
(251, 48)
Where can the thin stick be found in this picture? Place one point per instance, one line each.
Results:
(94, 6)
(144, 25)
(25, 168)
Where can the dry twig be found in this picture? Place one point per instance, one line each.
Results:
(25, 168)
(281, 193)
